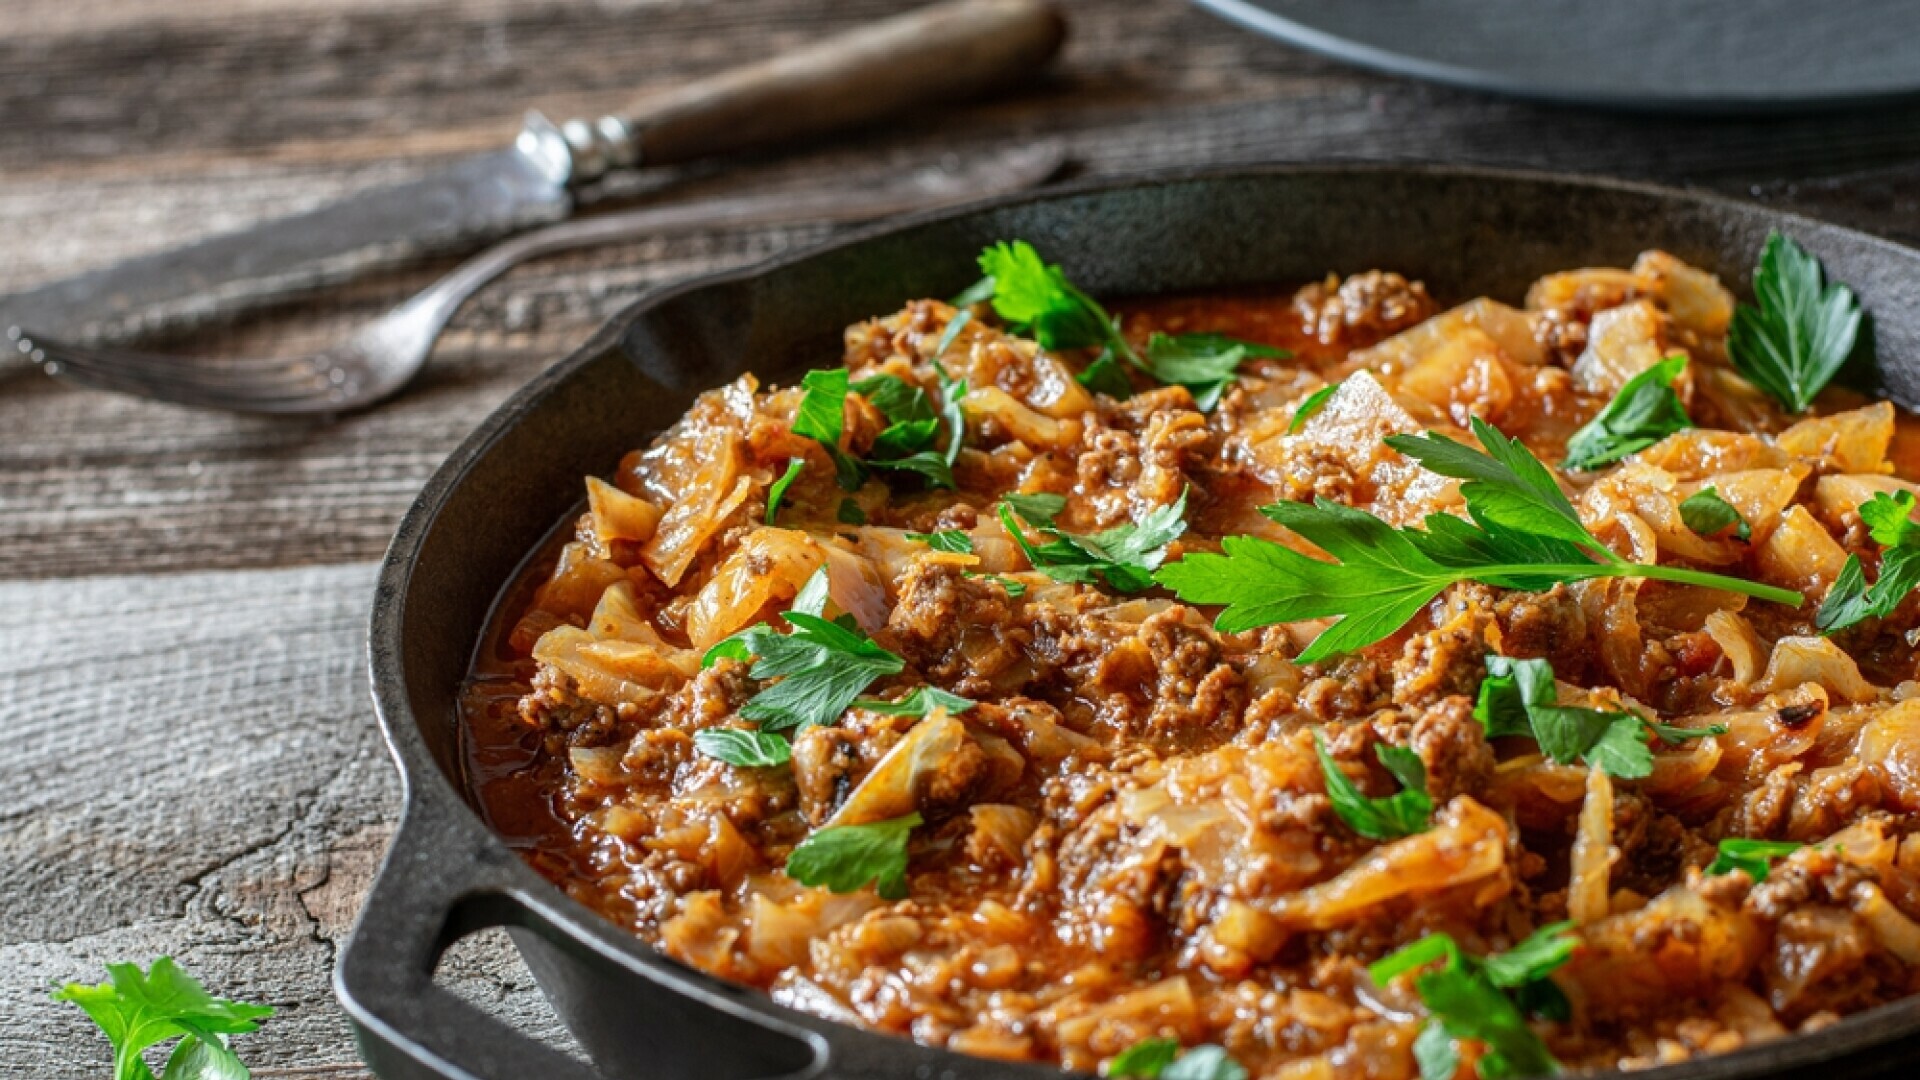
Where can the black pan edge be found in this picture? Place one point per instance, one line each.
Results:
(445, 854)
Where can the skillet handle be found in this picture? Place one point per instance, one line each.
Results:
(440, 882)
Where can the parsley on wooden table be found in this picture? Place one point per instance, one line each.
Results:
(1707, 514)
(1487, 1000)
(1803, 330)
(140, 1009)
(1123, 557)
(1645, 411)
(1750, 856)
(1851, 600)
(846, 858)
(1521, 532)
(1162, 1059)
(1401, 814)
(1035, 296)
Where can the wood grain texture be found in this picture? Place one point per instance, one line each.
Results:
(182, 594)
(195, 772)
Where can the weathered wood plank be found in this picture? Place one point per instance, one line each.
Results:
(195, 771)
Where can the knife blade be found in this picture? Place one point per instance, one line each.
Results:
(472, 203)
(933, 56)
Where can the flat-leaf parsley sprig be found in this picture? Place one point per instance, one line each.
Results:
(1487, 1000)
(822, 666)
(1123, 557)
(1521, 532)
(1035, 297)
(139, 1009)
(1795, 342)
(1520, 697)
(1852, 600)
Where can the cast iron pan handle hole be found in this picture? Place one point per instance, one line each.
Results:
(485, 970)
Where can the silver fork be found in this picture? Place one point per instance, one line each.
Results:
(385, 354)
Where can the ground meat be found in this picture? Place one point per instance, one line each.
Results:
(1453, 746)
(958, 630)
(1362, 309)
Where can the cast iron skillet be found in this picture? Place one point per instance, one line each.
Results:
(641, 1015)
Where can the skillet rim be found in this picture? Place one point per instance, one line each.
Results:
(426, 802)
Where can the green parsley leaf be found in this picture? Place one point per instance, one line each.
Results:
(1398, 815)
(951, 391)
(1534, 958)
(1707, 514)
(1123, 557)
(951, 332)
(906, 444)
(1851, 600)
(1106, 376)
(1794, 343)
(850, 513)
(977, 293)
(846, 858)
(1645, 411)
(1469, 999)
(737, 746)
(1030, 293)
(1436, 1053)
(1751, 856)
(1205, 1062)
(779, 489)
(822, 417)
(1143, 1060)
(1520, 697)
(822, 665)
(955, 541)
(1314, 403)
(1014, 588)
(922, 701)
(1523, 533)
(1203, 363)
(139, 1009)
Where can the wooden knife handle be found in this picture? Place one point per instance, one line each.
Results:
(933, 56)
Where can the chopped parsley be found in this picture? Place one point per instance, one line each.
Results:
(953, 541)
(1521, 533)
(850, 513)
(1520, 697)
(1707, 514)
(1162, 1059)
(1308, 408)
(1106, 376)
(738, 746)
(1395, 816)
(822, 666)
(779, 489)
(1123, 557)
(1751, 856)
(846, 858)
(1795, 342)
(1487, 1000)
(1645, 411)
(822, 417)
(140, 1009)
(922, 701)
(1851, 600)
(1014, 588)
(1203, 363)
(1035, 297)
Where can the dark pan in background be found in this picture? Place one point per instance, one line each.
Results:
(1698, 56)
(642, 1015)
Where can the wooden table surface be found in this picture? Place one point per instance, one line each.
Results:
(183, 594)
